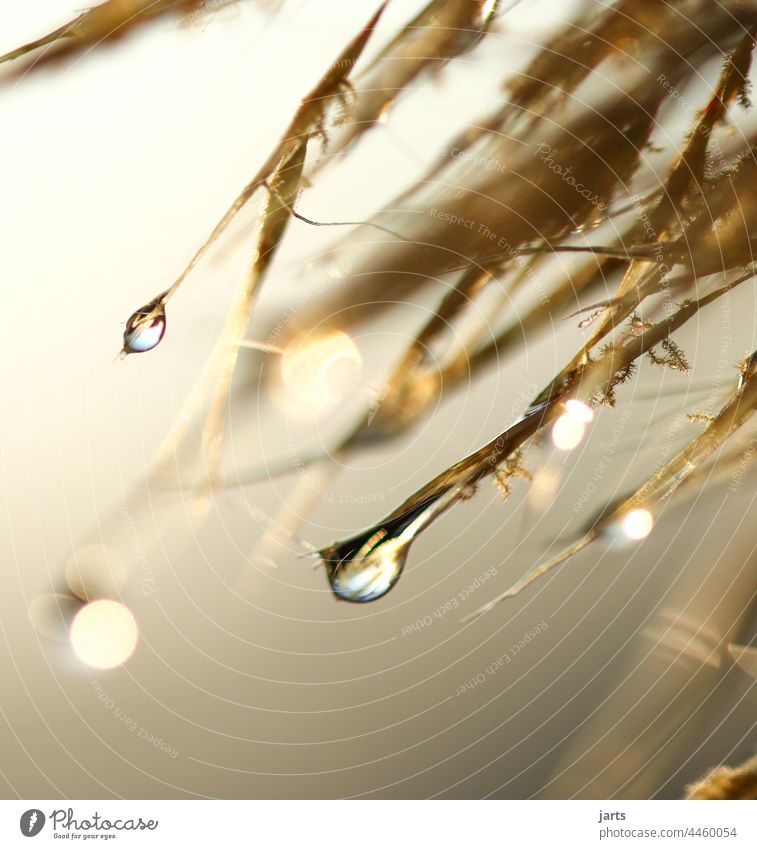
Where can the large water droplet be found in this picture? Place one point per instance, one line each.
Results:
(366, 572)
(365, 567)
(145, 327)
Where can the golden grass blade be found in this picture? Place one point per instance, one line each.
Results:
(657, 489)
(111, 19)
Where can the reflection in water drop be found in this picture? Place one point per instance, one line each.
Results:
(318, 372)
(145, 328)
(373, 573)
(104, 634)
(51, 614)
(365, 567)
(94, 571)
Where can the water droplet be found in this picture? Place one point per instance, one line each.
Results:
(145, 328)
(370, 571)
(365, 567)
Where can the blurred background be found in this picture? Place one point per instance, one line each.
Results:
(227, 668)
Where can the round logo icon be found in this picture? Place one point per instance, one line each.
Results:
(32, 822)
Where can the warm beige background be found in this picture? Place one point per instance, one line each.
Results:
(113, 170)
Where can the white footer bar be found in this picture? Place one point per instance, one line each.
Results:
(379, 824)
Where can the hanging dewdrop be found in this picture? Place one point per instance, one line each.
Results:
(145, 327)
(365, 567)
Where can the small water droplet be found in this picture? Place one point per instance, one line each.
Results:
(145, 328)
